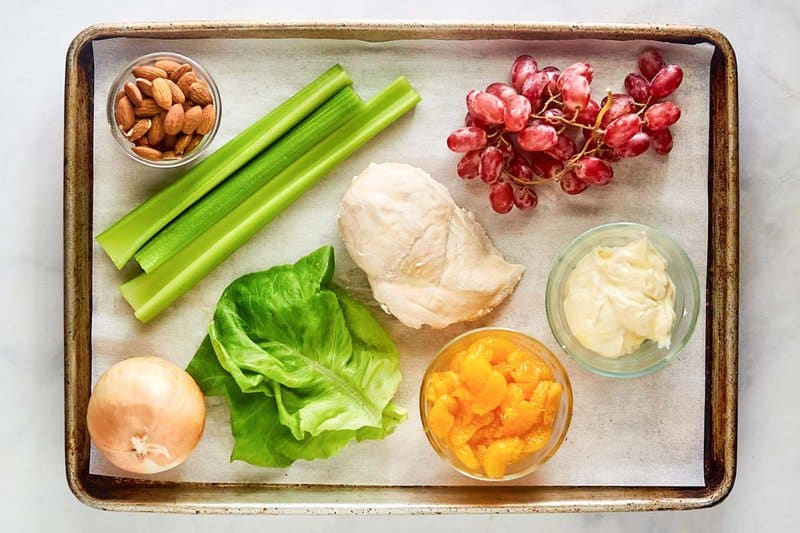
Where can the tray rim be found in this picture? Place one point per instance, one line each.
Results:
(125, 494)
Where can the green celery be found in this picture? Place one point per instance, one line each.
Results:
(127, 235)
(151, 293)
(247, 180)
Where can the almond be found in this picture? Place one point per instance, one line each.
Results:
(148, 108)
(177, 95)
(207, 122)
(169, 142)
(156, 133)
(176, 74)
(161, 93)
(124, 114)
(148, 152)
(146, 86)
(133, 93)
(167, 65)
(185, 81)
(193, 143)
(139, 129)
(199, 93)
(182, 143)
(148, 72)
(192, 119)
(142, 141)
(119, 97)
(169, 154)
(173, 122)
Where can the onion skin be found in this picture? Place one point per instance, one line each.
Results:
(149, 403)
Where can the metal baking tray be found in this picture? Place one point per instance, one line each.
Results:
(124, 494)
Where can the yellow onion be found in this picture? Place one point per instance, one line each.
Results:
(146, 415)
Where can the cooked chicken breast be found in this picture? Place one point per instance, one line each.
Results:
(428, 261)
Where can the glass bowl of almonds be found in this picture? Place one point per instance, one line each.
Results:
(164, 109)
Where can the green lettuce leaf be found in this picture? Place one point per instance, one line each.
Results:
(260, 438)
(305, 368)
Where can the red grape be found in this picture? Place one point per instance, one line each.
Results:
(662, 115)
(523, 67)
(570, 183)
(650, 62)
(552, 79)
(466, 139)
(468, 165)
(469, 120)
(621, 129)
(666, 81)
(544, 165)
(607, 154)
(588, 115)
(638, 87)
(501, 90)
(575, 92)
(584, 70)
(525, 198)
(636, 145)
(507, 148)
(486, 107)
(517, 114)
(534, 87)
(621, 104)
(520, 169)
(537, 137)
(553, 117)
(594, 170)
(491, 164)
(501, 196)
(661, 141)
(563, 149)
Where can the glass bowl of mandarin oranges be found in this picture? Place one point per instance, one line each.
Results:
(495, 404)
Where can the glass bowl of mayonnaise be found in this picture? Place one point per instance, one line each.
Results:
(622, 299)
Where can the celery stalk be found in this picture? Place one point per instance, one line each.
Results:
(151, 293)
(127, 235)
(245, 181)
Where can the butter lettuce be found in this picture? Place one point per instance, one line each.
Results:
(305, 369)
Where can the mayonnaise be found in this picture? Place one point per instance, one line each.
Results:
(618, 297)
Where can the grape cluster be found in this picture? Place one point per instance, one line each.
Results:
(546, 127)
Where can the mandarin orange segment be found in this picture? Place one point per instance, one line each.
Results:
(475, 372)
(491, 394)
(500, 348)
(519, 418)
(537, 439)
(552, 402)
(440, 420)
(499, 454)
(455, 362)
(465, 454)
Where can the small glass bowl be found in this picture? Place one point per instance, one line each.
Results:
(648, 357)
(126, 76)
(560, 426)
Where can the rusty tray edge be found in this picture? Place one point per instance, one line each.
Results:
(123, 494)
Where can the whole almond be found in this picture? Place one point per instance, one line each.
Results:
(168, 143)
(119, 96)
(169, 154)
(176, 74)
(142, 141)
(161, 93)
(156, 133)
(185, 81)
(167, 65)
(207, 121)
(148, 152)
(199, 93)
(182, 143)
(133, 93)
(124, 113)
(146, 86)
(148, 72)
(173, 122)
(148, 108)
(192, 119)
(193, 143)
(139, 129)
(177, 95)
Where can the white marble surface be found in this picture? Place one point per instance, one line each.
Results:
(35, 35)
